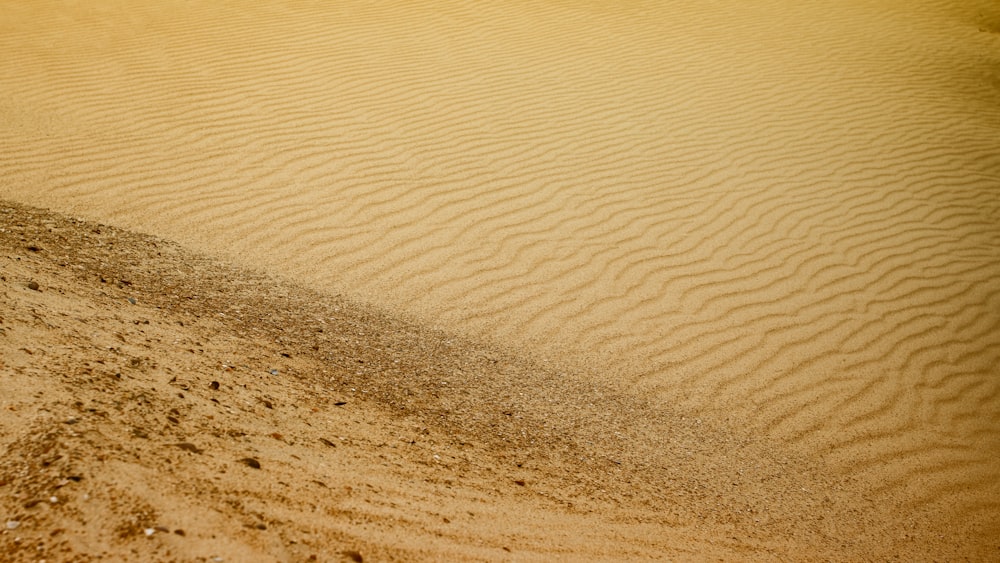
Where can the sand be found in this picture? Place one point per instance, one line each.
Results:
(758, 241)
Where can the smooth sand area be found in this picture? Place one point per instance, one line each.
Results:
(776, 225)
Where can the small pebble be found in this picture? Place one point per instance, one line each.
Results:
(132, 300)
(149, 531)
(13, 524)
(273, 372)
(33, 286)
(251, 462)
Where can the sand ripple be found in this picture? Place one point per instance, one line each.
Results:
(785, 215)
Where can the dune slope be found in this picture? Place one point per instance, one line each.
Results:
(776, 219)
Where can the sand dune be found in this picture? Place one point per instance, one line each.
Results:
(776, 217)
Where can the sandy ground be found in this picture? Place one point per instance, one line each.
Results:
(735, 264)
(139, 379)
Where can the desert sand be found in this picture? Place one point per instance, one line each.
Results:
(641, 280)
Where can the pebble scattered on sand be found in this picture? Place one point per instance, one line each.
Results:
(250, 462)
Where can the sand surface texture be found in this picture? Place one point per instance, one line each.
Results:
(775, 223)
(139, 379)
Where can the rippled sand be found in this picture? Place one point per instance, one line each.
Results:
(782, 218)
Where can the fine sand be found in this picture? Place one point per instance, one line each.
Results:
(665, 279)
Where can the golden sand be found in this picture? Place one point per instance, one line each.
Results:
(780, 218)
